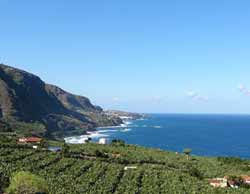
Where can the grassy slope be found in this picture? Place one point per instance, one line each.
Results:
(92, 168)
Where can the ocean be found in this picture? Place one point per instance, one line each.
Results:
(206, 135)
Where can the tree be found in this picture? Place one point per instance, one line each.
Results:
(187, 152)
(27, 183)
(196, 173)
(65, 149)
(4, 181)
(44, 143)
(118, 142)
(100, 154)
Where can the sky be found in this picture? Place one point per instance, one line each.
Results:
(158, 56)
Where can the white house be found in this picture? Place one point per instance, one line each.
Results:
(218, 182)
(103, 141)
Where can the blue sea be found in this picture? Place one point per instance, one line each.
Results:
(206, 135)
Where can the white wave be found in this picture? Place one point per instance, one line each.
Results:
(110, 127)
(107, 131)
(126, 130)
(77, 139)
(98, 135)
(101, 132)
(128, 122)
(82, 139)
(123, 125)
(158, 127)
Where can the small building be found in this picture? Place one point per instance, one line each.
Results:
(35, 147)
(116, 155)
(103, 141)
(246, 179)
(30, 140)
(219, 182)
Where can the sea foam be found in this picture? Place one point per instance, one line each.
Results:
(126, 130)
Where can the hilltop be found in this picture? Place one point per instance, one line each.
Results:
(28, 105)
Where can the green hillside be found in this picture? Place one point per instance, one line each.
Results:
(94, 169)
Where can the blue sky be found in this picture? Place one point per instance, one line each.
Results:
(173, 56)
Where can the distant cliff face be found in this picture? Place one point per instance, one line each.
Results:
(125, 115)
(70, 101)
(32, 106)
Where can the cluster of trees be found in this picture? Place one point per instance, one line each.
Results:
(22, 182)
(28, 183)
(118, 142)
(4, 181)
(231, 160)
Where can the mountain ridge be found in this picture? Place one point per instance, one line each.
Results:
(26, 100)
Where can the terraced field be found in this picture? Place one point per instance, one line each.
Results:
(94, 169)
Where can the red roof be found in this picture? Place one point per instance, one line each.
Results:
(215, 181)
(30, 139)
(246, 178)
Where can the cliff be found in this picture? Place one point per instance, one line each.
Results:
(29, 105)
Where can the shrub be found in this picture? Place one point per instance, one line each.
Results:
(118, 142)
(100, 154)
(196, 173)
(230, 160)
(27, 183)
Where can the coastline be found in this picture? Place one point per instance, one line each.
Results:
(96, 134)
(209, 135)
(127, 119)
